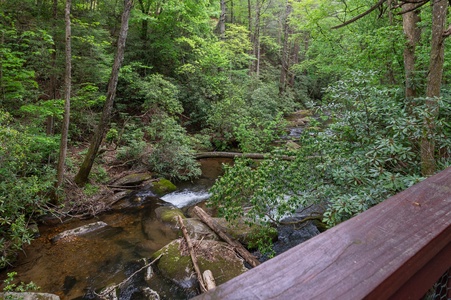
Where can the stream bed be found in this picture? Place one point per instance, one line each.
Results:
(78, 267)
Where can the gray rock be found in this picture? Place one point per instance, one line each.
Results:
(133, 179)
(79, 231)
(198, 230)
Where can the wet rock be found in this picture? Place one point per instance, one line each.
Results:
(168, 214)
(198, 230)
(79, 231)
(133, 179)
(29, 296)
(218, 257)
(162, 187)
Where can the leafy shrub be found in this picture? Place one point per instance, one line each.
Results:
(24, 184)
(367, 153)
(173, 154)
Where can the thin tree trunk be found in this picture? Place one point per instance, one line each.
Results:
(232, 16)
(82, 176)
(53, 76)
(434, 82)
(285, 50)
(222, 20)
(249, 16)
(67, 85)
(410, 21)
(255, 64)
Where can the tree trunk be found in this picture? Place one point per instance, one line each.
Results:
(67, 85)
(222, 20)
(434, 82)
(410, 21)
(53, 76)
(82, 176)
(232, 16)
(285, 50)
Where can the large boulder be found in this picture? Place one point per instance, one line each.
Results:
(218, 257)
(169, 214)
(197, 230)
(162, 187)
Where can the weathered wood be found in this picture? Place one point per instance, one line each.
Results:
(209, 280)
(193, 255)
(246, 255)
(238, 154)
(395, 250)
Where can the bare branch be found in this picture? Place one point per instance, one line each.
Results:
(361, 15)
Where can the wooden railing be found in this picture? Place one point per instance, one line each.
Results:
(395, 250)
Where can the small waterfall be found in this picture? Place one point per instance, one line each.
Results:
(186, 197)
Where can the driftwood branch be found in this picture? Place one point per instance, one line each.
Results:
(209, 280)
(193, 255)
(246, 255)
(238, 154)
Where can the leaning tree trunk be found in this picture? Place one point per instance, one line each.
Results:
(67, 85)
(82, 176)
(434, 82)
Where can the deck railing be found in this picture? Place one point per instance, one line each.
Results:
(397, 249)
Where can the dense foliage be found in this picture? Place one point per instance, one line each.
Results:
(189, 84)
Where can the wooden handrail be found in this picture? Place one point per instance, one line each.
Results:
(394, 250)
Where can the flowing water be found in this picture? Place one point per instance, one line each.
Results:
(75, 267)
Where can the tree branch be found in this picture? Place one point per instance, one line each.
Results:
(361, 15)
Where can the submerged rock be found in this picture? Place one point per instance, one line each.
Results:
(175, 263)
(79, 231)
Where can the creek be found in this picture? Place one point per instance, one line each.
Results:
(77, 266)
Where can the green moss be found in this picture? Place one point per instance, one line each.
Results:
(163, 186)
(211, 255)
(169, 214)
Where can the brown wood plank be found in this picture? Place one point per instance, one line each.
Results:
(372, 255)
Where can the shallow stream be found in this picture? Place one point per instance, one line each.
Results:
(74, 267)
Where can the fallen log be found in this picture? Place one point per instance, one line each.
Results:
(238, 154)
(193, 255)
(246, 255)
